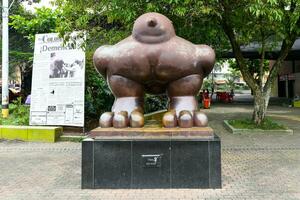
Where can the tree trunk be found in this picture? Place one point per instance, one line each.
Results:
(261, 102)
(261, 92)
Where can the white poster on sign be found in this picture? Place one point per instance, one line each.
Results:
(57, 94)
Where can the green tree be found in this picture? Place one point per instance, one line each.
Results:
(43, 20)
(98, 98)
(223, 24)
(20, 53)
(232, 77)
(268, 23)
(25, 25)
(109, 21)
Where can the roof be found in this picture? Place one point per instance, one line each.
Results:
(252, 51)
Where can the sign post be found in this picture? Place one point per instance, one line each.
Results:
(5, 66)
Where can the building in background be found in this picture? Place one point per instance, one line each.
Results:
(287, 84)
(288, 79)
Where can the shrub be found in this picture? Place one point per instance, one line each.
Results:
(154, 103)
(98, 97)
(19, 114)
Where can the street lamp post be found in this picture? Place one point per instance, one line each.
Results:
(5, 49)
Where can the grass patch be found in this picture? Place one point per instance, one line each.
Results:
(267, 124)
(18, 114)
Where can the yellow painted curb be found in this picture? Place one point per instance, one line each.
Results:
(31, 133)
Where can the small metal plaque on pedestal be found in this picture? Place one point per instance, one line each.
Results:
(150, 161)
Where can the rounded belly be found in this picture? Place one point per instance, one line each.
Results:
(153, 66)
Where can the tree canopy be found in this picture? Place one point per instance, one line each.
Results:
(223, 24)
(110, 21)
(198, 21)
(42, 21)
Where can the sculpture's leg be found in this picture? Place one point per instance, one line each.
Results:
(128, 106)
(183, 104)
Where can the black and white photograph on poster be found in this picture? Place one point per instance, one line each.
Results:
(63, 68)
(58, 79)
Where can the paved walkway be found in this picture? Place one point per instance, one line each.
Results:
(253, 167)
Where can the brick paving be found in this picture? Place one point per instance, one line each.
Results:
(253, 166)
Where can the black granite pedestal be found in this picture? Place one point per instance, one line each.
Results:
(152, 161)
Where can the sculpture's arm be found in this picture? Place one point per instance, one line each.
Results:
(101, 59)
(206, 58)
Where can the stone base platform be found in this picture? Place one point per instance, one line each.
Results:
(151, 158)
(152, 133)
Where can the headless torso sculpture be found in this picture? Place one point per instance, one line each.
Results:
(154, 60)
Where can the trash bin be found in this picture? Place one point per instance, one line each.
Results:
(206, 103)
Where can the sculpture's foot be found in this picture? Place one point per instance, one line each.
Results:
(169, 119)
(121, 119)
(184, 113)
(185, 119)
(200, 119)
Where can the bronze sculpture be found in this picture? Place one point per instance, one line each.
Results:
(154, 60)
